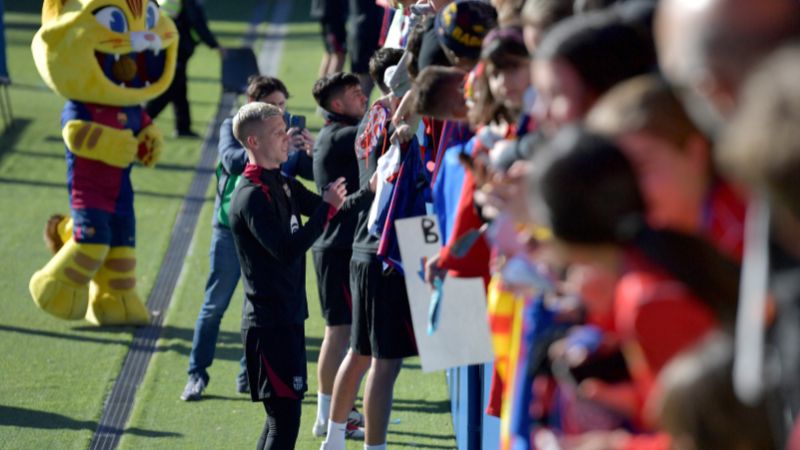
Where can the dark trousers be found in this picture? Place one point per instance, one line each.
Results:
(282, 424)
(176, 93)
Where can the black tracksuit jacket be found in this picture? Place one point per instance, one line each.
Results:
(271, 242)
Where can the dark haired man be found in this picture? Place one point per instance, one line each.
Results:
(224, 266)
(381, 333)
(343, 104)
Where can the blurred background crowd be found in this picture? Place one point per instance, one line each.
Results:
(625, 177)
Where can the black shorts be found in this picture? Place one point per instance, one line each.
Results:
(332, 16)
(276, 361)
(364, 33)
(334, 34)
(333, 285)
(381, 316)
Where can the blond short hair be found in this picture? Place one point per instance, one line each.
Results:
(250, 116)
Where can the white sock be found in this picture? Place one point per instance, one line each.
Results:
(323, 407)
(375, 447)
(335, 438)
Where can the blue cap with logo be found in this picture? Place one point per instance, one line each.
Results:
(462, 25)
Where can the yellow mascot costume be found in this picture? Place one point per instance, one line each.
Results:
(106, 57)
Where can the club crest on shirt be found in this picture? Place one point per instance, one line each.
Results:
(294, 224)
(297, 383)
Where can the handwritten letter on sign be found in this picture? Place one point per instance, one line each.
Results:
(462, 333)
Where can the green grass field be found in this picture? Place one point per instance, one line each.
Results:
(56, 374)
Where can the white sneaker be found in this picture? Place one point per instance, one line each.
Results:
(355, 417)
(320, 429)
(353, 430)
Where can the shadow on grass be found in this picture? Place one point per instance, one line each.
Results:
(62, 185)
(166, 167)
(421, 406)
(70, 337)
(390, 444)
(11, 134)
(444, 437)
(175, 339)
(241, 397)
(167, 332)
(43, 420)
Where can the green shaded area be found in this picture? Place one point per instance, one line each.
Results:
(57, 374)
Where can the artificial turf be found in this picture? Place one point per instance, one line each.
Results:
(56, 374)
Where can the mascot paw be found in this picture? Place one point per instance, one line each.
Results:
(115, 308)
(151, 142)
(59, 298)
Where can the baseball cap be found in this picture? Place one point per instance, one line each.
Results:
(462, 25)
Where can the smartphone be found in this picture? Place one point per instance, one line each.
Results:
(298, 122)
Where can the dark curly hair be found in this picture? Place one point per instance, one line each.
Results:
(331, 86)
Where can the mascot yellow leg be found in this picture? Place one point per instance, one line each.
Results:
(113, 299)
(61, 287)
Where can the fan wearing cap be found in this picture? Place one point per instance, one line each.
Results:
(461, 27)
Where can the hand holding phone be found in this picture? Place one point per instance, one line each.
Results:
(298, 122)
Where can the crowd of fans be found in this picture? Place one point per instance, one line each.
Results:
(625, 177)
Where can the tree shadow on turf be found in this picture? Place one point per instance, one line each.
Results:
(11, 134)
(241, 397)
(167, 332)
(444, 437)
(421, 406)
(43, 420)
(411, 366)
(67, 336)
(61, 184)
(164, 167)
(391, 444)
(175, 339)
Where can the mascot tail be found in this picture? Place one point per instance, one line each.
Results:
(57, 231)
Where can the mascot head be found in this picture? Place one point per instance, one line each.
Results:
(111, 52)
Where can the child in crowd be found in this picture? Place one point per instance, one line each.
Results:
(667, 281)
(673, 162)
(580, 59)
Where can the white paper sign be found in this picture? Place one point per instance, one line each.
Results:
(462, 335)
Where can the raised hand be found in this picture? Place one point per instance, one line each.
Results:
(334, 193)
